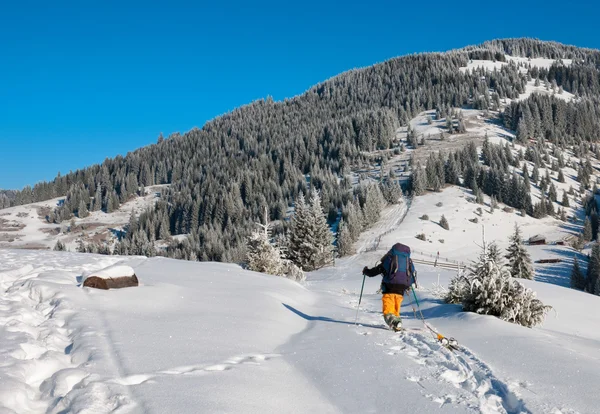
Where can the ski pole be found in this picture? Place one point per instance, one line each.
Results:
(360, 299)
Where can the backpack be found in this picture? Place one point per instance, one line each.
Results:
(396, 263)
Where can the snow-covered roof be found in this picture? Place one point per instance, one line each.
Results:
(537, 237)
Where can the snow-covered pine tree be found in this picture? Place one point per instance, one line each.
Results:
(59, 246)
(345, 245)
(492, 290)
(353, 217)
(552, 192)
(577, 278)
(494, 253)
(565, 199)
(391, 190)
(587, 230)
(299, 252)
(419, 180)
(323, 240)
(374, 203)
(82, 211)
(444, 223)
(519, 261)
(310, 238)
(261, 255)
(458, 288)
(593, 269)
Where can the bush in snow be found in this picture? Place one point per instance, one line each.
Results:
(440, 204)
(519, 261)
(59, 246)
(421, 237)
(474, 220)
(444, 223)
(458, 288)
(424, 217)
(489, 289)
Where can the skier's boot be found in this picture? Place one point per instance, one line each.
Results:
(393, 321)
(389, 319)
(397, 324)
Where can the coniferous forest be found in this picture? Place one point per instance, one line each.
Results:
(267, 155)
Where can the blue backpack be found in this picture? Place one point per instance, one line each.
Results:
(398, 266)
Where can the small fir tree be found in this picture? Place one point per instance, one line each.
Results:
(519, 261)
(577, 278)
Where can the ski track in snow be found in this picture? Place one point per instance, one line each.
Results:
(476, 385)
(254, 359)
(390, 219)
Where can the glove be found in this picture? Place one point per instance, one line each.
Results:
(364, 270)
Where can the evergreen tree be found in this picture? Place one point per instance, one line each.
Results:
(345, 245)
(552, 193)
(593, 270)
(577, 278)
(535, 176)
(444, 223)
(419, 180)
(490, 289)
(262, 255)
(561, 176)
(59, 246)
(310, 238)
(519, 261)
(494, 253)
(82, 211)
(565, 200)
(587, 230)
(526, 177)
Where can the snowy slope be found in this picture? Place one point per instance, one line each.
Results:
(524, 63)
(26, 226)
(209, 337)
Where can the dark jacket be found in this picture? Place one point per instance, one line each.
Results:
(389, 287)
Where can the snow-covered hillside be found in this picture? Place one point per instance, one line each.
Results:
(26, 226)
(208, 337)
(524, 64)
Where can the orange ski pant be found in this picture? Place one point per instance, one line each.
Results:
(391, 303)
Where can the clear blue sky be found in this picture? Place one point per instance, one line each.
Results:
(84, 80)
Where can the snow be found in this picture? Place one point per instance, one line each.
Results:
(110, 272)
(524, 63)
(219, 338)
(26, 227)
(489, 65)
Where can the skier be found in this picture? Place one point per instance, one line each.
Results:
(398, 274)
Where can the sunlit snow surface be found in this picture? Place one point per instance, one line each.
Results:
(208, 337)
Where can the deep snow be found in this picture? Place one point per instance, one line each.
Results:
(210, 337)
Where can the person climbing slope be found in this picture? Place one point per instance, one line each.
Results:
(398, 274)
